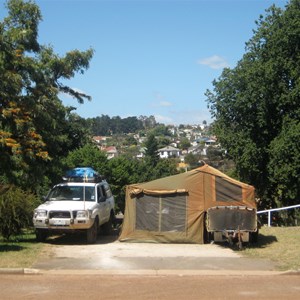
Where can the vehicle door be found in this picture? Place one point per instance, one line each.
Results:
(103, 204)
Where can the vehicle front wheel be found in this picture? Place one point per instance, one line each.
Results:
(91, 234)
(41, 235)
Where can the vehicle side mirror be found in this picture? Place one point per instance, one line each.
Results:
(101, 199)
(44, 198)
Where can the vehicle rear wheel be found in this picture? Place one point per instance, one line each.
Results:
(91, 234)
(41, 235)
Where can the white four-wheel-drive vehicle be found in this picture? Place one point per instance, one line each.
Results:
(83, 202)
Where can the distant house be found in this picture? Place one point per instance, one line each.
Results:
(111, 152)
(100, 140)
(168, 151)
(195, 149)
(210, 142)
(141, 153)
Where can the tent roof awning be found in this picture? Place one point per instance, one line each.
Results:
(137, 191)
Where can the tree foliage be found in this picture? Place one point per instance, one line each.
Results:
(16, 207)
(105, 125)
(122, 172)
(88, 156)
(35, 127)
(256, 107)
(151, 152)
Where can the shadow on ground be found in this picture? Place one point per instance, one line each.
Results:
(262, 242)
(8, 248)
(80, 238)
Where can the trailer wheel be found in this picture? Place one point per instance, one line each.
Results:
(240, 244)
(254, 236)
(230, 239)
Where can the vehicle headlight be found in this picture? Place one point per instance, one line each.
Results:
(82, 214)
(40, 213)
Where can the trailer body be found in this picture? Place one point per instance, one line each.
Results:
(232, 223)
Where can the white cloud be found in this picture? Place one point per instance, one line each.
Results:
(165, 103)
(163, 119)
(160, 101)
(191, 116)
(214, 62)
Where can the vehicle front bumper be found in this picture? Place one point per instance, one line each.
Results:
(62, 224)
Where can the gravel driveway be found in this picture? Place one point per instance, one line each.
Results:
(71, 253)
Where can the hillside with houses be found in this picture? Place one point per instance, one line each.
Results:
(188, 144)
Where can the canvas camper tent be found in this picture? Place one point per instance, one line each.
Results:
(172, 209)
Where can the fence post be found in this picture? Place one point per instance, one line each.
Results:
(269, 218)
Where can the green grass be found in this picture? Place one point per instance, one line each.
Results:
(279, 244)
(20, 252)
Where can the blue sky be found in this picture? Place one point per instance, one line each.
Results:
(152, 57)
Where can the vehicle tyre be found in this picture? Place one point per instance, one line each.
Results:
(208, 237)
(254, 237)
(230, 240)
(108, 226)
(240, 245)
(92, 233)
(41, 235)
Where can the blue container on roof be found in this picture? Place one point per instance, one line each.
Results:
(87, 174)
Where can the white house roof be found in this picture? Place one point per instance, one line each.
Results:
(168, 148)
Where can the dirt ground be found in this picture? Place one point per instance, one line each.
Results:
(141, 287)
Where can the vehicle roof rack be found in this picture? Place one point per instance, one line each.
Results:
(83, 174)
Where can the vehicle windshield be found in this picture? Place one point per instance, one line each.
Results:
(72, 193)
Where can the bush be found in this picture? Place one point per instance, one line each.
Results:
(16, 209)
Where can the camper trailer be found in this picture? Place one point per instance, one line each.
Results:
(235, 224)
(173, 209)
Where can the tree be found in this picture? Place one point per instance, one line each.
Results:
(258, 101)
(88, 156)
(16, 207)
(151, 153)
(122, 171)
(284, 165)
(192, 159)
(148, 122)
(185, 143)
(35, 128)
(164, 167)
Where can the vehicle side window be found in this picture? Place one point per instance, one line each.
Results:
(107, 191)
(101, 193)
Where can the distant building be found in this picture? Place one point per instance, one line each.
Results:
(111, 152)
(141, 153)
(168, 151)
(100, 140)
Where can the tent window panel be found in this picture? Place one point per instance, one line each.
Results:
(227, 191)
(173, 213)
(147, 213)
(161, 213)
